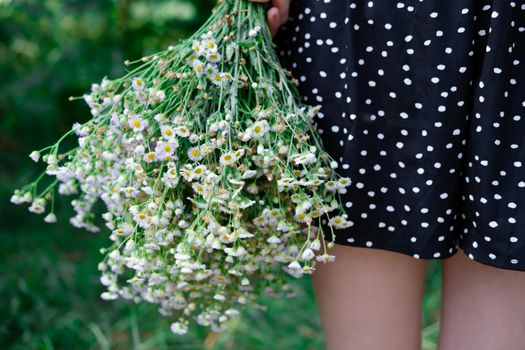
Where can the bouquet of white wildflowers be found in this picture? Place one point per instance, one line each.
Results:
(214, 178)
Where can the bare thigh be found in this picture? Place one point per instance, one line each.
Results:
(483, 307)
(370, 299)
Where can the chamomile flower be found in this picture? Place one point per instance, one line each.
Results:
(150, 157)
(199, 188)
(338, 222)
(344, 181)
(198, 171)
(210, 45)
(260, 221)
(273, 239)
(38, 206)
(182, 131)
(168, 132)
(195, 154)
(228, 159)
(165, 150)
(259, 128)
(50, 218)
(179, 328)
(138, 84)
(214, 57)
(124, 230)
(239, 153)
(266, 87)
(294, 265)
(248, 174)
(308, 254)
(156, 96)
(198, 47)
(217, 79)
(198, 67)
(35, 156)
(143, 219)
(331, 185)
(136, 123)
(305, 158)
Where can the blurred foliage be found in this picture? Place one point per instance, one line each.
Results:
(49, 288)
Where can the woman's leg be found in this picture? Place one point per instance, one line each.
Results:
(483, 307)
(370, 299)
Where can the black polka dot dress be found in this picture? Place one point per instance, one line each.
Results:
(423, 107)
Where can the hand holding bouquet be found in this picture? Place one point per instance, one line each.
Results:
(214, 178)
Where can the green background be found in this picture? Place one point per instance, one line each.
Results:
(49, 287)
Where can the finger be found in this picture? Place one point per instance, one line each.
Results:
(274, 20)
(283, 6)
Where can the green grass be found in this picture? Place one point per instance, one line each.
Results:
(49, 299)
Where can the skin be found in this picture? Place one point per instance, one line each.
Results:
(277, 14)
(371, 298)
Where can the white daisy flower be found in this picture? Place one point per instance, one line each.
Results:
(136, 123)
(198, 171)
(182, 131)
(325, 258)
(217, 79)
(143, 219)
(248, 174)
(50, 218)
(195, 154)
(308, 254)
(273, 240)
(198, 67)
(228, 159)
(165, 150)
(138, 84)
(210, 45)
(38, 206)
(259, 128)
(124, 230)
(199, 188)
(179, 328)
(294, 265)
(156, 96)
(266, 87)
(197, 47)
(131, 191)
(35, 156)
(150, 157)
(305, 158)
(337, 221)
(260, 221)
(168, 132)
(331, 185)
(214, 57)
